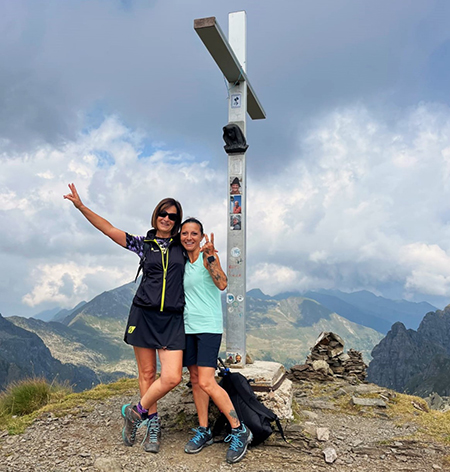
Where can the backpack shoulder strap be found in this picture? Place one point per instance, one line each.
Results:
(143, 258)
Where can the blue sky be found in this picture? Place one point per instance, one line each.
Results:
(347, 177)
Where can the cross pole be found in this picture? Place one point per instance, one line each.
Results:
(231, 57)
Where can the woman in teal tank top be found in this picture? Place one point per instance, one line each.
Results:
(203, 281)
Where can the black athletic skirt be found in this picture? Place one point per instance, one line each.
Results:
(155, 329)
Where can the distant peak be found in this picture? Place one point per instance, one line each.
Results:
(398, 327)
(258, 294)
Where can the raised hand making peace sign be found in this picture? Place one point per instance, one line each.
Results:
(208, 248)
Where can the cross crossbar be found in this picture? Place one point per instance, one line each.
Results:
(217, 44)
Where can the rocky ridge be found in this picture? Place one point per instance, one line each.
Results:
(416, 362)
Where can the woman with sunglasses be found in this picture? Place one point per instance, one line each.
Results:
(203, 281)
(155, 323)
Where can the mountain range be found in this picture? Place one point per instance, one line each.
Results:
(284, 330)
(364, 307)
(281, 328)
(91, 334)
(416, 362)
(23, 354)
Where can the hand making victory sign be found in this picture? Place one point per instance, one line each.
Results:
(212, 263)
(208, 248)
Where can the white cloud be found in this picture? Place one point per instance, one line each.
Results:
(360, 196)
(65, 284)
(429, 268)
(347, 213)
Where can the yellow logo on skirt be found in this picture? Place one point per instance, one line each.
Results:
(131, 329)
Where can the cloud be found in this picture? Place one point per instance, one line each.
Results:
(429, 269)
(346, 176)
(347, 213)
(50, 250)
(65, 284)
(363, 205)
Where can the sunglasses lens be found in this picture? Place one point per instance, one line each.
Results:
(172, 216)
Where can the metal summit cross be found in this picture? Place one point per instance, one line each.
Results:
(231, 57)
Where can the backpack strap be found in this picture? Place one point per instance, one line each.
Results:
(143, 258)
(280, 429)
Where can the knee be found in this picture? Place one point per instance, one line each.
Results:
(170, 381)
(206, 385)
(147, 375)
(194, 379)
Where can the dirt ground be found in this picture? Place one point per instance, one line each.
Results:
(89, 439)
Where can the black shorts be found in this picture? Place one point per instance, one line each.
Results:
(155, 329)
(202, 349)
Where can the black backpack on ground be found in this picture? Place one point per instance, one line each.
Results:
(248, 408)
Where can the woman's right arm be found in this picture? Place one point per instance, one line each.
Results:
(117, 235)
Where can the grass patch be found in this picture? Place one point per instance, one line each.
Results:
(61, 403)
(437, 424)
(24, 397)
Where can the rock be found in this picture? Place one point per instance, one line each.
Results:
(310, 414)
(310, 428)
(330, 455)
(321, 365)
(323, 434)
(365, 389)
(340, 393)
(435, 401)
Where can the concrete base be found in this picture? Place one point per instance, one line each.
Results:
(264, 375)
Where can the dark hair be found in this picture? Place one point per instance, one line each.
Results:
(163, 205)
(192, 220)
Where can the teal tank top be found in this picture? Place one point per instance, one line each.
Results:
(203, 309)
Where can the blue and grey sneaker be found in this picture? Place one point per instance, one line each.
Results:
(202, 438)
(152, 439)
(239, 438)
(132, 421)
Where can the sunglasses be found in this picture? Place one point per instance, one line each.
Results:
(172, 216)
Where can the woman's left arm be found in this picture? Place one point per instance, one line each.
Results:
(212, 263)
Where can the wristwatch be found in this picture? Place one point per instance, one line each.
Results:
(211, 259)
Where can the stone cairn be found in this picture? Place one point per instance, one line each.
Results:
(328, 360)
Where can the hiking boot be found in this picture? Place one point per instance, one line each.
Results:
(152, 439)
(202, 438)
(132, 421)
(239, 438)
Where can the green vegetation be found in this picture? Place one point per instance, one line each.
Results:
(24, 397)
(24, 401)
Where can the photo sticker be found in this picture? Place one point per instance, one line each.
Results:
(235, 204)
(235, 222)
(235, 186)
